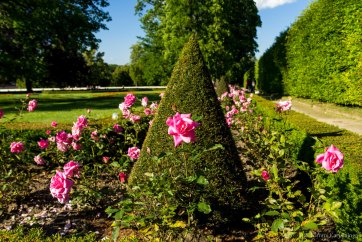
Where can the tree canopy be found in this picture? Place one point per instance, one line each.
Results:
(34, 31)
(226, 30)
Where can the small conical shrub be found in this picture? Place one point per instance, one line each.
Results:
(194, 175)
(221, 86)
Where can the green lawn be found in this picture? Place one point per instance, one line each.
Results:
(65, 107)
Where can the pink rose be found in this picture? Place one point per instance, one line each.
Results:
(122, 177)
(61, 136)
(135, 118)
(39, 160)
(71, 169)
(94, 135)
(60, 187)
(147, 111)
(105, 159)
(162, 94)
(129, 100)
(117, 128)
(54, 124)
(48, 132)
(332, 159)
(265, 175)
(283, 106)
(1, 113)
(153, 106)
(63, 147)
(182, 128)
(32, 105)
(144, 101)
(134, 153)
(16, 147)
(43, 143)
(76, 146)
(82, 122)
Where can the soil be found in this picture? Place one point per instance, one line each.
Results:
(342, 117)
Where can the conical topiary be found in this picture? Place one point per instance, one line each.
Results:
(219, 179)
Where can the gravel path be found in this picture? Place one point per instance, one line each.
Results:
(331, 114)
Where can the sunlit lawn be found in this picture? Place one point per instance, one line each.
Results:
(65, 107)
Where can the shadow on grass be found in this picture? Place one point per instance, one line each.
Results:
(67, 104)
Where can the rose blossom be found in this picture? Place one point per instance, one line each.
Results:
(144, 101)
(105, 159)
(129, 100)
(1, 113)
(117, 128)
(115, 116)
(60, 187)
(71, 169)
(48, 132)
(76, 146)
(54, 124)
(32, 105)
(43, 143)
(134, 153)
(94, 135)
(182, 128)
(332, 159)
(16, 147)
(147, 111)
(135, 118)
(122, 177)
(283, 106)
(162, 94)
(82, 122)
(63, 147)
(39, 160)
(265, 175)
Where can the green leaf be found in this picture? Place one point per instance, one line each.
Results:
(202, 180)
(278, 224)
(119, 215)
(204, 207)
(309, 225)
(115, 234)
(336, 205)
(115, 164)
(272, 213)
(111, 210)
(178, 224)
(274, 170)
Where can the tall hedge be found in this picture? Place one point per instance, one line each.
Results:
(271, 67)
(323, 55)
(190, 90)
(324, 52)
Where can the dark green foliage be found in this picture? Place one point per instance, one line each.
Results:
(221, 86)
(271, 67)
(190, 90)
(324, 52)
(320, 56)
(121, 77)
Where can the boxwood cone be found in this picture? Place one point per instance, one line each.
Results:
(190, 90)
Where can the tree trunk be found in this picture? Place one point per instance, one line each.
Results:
(28, 86)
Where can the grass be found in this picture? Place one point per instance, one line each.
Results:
(65, 107)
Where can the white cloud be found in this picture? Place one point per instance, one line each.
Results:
(271, 3)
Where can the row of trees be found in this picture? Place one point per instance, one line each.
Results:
(226, 30)
(319, 56)
(50, 42)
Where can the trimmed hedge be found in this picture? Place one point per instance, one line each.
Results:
(323, 55)
(190, 90)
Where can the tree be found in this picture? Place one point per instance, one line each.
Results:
(226, 30)
(121, 77)
(32, 29)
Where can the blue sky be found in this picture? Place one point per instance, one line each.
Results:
(124, 28)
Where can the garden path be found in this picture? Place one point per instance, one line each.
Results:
(349, 118)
